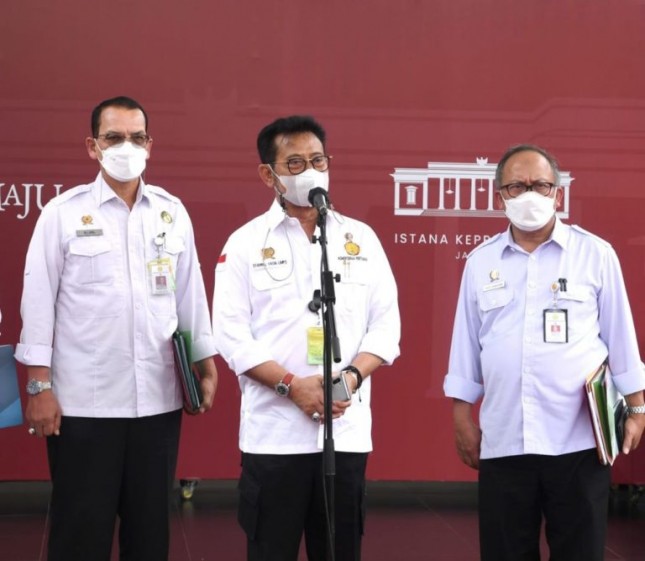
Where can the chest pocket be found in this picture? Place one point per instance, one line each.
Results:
(352, 292)
(576, 293)
(490, 300)
(90, 261)
(495, 311)
(174, 246)
(582, 305)
(274, 297)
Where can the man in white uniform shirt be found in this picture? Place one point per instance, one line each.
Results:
(541, 306)
(271, 339)
(111, 272)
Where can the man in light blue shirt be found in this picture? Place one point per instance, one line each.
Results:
(541, 306)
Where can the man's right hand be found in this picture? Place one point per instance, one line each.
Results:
(307, 393)
(43, 413)
(468, 435)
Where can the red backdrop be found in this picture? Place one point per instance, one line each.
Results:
(397, 85)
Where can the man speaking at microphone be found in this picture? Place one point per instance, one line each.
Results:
(272, 338)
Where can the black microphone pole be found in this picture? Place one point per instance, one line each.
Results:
(331, 351)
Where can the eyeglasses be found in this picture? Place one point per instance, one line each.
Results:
(298, 165)
(114, 139)
(516, 189)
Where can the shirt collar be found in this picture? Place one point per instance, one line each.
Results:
(102, 192)
(276, 215)
(559, 235)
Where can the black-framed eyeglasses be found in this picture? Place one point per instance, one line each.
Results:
(114, 139)
(297, 165)
(517, 188)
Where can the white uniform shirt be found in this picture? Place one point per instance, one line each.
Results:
(264, 281)
(533, 398)
(88, 309)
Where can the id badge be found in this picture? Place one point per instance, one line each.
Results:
(315, 345)
(160, 275)
(556, 329)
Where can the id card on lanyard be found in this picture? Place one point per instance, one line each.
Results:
(555, 320)
(160, 273)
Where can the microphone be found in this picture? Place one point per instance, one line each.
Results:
(318, 198)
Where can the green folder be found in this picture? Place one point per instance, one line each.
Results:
(192, 392)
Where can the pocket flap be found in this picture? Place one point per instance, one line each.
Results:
(491, 299)
(90, 246)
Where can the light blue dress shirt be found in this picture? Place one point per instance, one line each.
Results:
(533, 398)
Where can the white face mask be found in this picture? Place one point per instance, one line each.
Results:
(298, 186)
(124, 162)
(529, 212)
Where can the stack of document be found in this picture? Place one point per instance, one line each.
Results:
(10, 408)
(608, 412)
(192, 392)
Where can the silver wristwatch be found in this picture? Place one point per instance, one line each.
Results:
(636, 410)
(34, 387)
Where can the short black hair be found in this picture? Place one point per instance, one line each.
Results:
(293, 124)
(526, 148)
(120, 101)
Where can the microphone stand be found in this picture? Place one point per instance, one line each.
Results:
(326, 298)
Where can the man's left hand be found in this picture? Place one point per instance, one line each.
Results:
(634, 426)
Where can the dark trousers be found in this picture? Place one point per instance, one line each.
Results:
(282, 497)
(104, 468)
(570, 491)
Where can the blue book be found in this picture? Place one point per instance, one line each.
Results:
(10, 407)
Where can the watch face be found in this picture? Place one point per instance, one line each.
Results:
(33, 387)
(282, 389)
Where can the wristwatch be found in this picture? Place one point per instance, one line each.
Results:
(636, 410)
(283, 386)
(34, 387)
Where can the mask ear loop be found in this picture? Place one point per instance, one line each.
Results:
(277, 191)
(96, 143)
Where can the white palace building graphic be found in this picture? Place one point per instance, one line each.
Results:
(454, 189)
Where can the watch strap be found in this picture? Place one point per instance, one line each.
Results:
(283, 386)
(636, 409)
(287, 379)
(359, 377)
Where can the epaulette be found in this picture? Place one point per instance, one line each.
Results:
(489, 241)
(70, 194)
(584, 232)
(163, 193)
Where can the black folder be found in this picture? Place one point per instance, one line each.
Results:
(191, 389)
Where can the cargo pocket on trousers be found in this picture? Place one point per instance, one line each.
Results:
(249, 505)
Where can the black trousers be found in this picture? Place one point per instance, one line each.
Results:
(570, 491)
(104, 468)
(282, 497)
